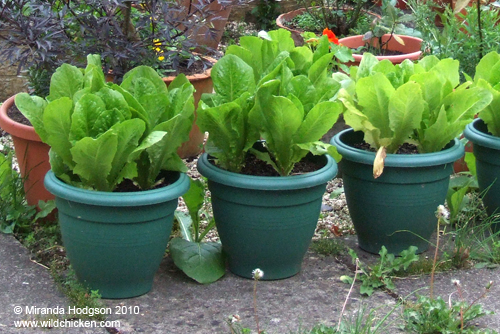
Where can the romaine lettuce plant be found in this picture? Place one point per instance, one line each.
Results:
(488, 76)
(101, 133)
(417, 103)
(268, 89)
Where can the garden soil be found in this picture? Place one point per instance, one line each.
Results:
(176, 304)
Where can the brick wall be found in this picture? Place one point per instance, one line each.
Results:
(10, 82)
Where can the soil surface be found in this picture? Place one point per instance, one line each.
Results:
(15, 115)
(403, 149)
(254, 166)
(129, 186)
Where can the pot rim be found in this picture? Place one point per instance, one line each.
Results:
(196, 76)
(445, 156)
(480, 137)
(293, 182)
(119, 199)
(412, 55)
(14, 128)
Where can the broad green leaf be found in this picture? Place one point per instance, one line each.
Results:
(32, 107)
(437, 135)
(318, 70)
(302, 57)
(303, 89)
(231, 136)
(128, 134)
(490, 114)
(57, 122)
(142, 79)
(179, 81)
(250, 53)
(373, 94)
(65, 82)
(114, 99)
(185, 222)
(280, 122)
(87, 110)
(194, 199)
(365, 66)
(456, 200)
(93, 158)
(136, 108)
(317, 122)
(405, 113)
(232, 77)
(488, 68)
(431, 87)
(181, 100)
(93, 79)
(462, 105)
(470, 160)
(283, 38)
(322, 49)
(448, 68)
(203, 262)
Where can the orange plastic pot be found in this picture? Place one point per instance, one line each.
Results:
(410, 50)
(32, 155)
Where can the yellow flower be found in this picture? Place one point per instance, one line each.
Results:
(160, 58)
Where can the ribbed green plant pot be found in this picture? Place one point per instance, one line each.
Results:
(396, 210)
(116, 241)
(266, 222)
(486, 148)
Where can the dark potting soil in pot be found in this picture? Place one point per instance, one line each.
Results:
(256, 167)
(15, 115)
(403, 149)
(197, 67)
(163, 180)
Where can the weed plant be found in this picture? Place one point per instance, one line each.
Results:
(330, 247)
(41, 236)
(460, 37)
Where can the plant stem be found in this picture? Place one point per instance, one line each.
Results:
(434, 262)
(479, 28)
(255, 305)
(348, 294)
(127, 23)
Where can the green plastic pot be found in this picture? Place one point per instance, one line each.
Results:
(396, 210)
(116, 241)
(486, 148)
(266, 222)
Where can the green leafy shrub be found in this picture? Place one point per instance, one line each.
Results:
(269, 89)
(416, 103)
(202, 261)
(101, 133)
(429, 315)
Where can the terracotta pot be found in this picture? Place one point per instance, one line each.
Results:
(202, 84)
(32, 155)
(297, 34)
(411, 49)
(215, 22)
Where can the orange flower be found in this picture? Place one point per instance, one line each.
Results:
(331, 36)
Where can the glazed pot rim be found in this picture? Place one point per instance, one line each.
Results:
(453, 151)
(119, 199)
(411, 55)
(477, 133)
(292, 182)
(14, 128)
